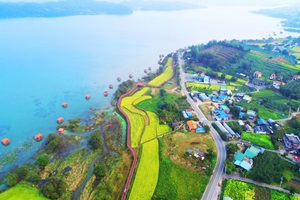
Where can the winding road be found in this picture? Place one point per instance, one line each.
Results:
(211, 191)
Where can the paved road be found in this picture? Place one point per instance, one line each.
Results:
(211, 191)
(240, 178)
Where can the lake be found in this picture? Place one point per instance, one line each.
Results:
(46, 61)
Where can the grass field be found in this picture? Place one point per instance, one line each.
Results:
(178, 182)
(247, 191)
(23, 191)
(142, 98)
(207, 86)
(147, 173)
(259, 139)
(206, 109)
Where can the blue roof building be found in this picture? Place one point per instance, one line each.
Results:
(261, 121)
(221, 115)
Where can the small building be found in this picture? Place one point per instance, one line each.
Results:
(176, 125)
(271, 122)
(257, 74)
(273, 76)
(243, 161)
(296, 77)
(230, 130)
(223, 90)
(252, 152)
(220, 115)
(277, 84)
(220, 98)
(258, 82)
(251, 113)
(247, 98)
(259, 129)
(241, 123)
(261, 121)
(203, 97)
(192, 126)
(189, 113)
(184, 115)
(291, 142)
(225, 108)
(296, 159)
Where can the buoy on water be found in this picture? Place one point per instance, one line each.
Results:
(130, 76)
(64, 104)
(119, 79)
(60, 120)
(87, 97)
(38, 137)
(61, 130)
(105, 93)
(145, 71)
(111, 86)
(5, 141)
(149, 68)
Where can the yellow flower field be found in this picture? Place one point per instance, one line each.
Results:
(147, 173)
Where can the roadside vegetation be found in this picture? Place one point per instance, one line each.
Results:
(262, 140)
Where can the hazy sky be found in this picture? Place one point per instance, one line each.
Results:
(201, 2)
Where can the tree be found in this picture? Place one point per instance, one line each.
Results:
(11, 179)
(55, 188)
(96, 140)
(231, 148)
(34, 177)
(42, 160)
(23, 172)
(100, 171)
(235, 111)
(53, 142)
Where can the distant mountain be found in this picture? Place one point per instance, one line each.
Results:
(61, 8)
(159, 5)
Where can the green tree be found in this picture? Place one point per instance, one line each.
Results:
(42, 160)
(34, 177)
(53, 142)
(23, 172)
(96, 140)
(100, 170)
(11, 179)
(55, 188)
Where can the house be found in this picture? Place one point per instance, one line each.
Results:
(243, 161)
(258, 82)
(206, 79)
(194, 127)
(223, 90)
(225, 108)
(220, 115)
(176, 125)
(220, 98)
(257, 74)
(189, 113)
(185, 115)
(271, 122)
(247, 98)
(296, 77)
(277, 84)
(251, 113)
(203, 97)
(291, 142)
(241, 123)
(261, 121)
(259, 129)
(273, 76)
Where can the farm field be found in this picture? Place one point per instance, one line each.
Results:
(262, 140)
(206, 86)
(128, 100)
(247, 191)
(142, 98)
(147, 172)
(167, 74)
(178, 182)
(22, 191)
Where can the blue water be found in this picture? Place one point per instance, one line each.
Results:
(44, 62)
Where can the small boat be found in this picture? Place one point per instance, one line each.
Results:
(5, 141)
(38, 137)
(64, 104)
(105, 93)
(60, 120)
(87, 97)
(111, 86)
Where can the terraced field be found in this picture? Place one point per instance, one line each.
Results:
(147, 173)
(222, 52)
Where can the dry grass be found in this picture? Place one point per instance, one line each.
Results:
(206, 109)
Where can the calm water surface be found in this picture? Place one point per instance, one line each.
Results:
(44, 62)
